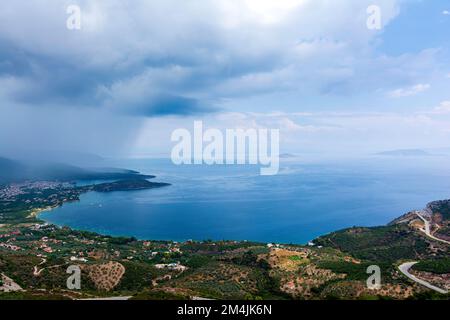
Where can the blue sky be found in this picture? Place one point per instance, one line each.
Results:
(139, 69)
(421, 24)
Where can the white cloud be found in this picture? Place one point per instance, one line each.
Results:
(446, 12)
(409, 91)
(269, 11)
(332, 132)
(443, 108)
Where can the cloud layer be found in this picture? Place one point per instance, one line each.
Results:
(141, 59)
(173, 57)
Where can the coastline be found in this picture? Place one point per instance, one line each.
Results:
(37, 212)
(209, 209)
(136, 185)
(114, 186)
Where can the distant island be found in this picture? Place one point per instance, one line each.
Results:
(126, 185)
(287, 156)
(405, 153)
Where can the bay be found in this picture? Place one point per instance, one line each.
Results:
(305, 200)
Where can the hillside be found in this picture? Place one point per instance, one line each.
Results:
(11, 170)
(403, 238)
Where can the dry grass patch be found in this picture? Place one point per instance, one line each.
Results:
(105, 276)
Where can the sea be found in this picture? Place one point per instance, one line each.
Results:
(307, 199)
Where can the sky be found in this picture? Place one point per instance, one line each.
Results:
(137, 70)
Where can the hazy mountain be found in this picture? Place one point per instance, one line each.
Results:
(11, 170)
(287, 156)
(36, 157)
(15, 171)
(405, 153)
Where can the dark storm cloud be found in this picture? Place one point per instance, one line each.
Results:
(166, 105)
(54, 81)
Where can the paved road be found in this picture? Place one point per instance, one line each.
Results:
(201, 299)
(427, 229)
(8, 284)
(36, 271)
(404, 268)
(108, 299)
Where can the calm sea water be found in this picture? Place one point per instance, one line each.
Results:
(305, 200)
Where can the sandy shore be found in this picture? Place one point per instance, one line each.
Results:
(35, 213)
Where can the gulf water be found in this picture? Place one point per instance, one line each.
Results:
(305, 200)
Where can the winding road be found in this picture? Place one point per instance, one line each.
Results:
(108, 299)
(37, 272)
(405, 267)
(427, 229)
